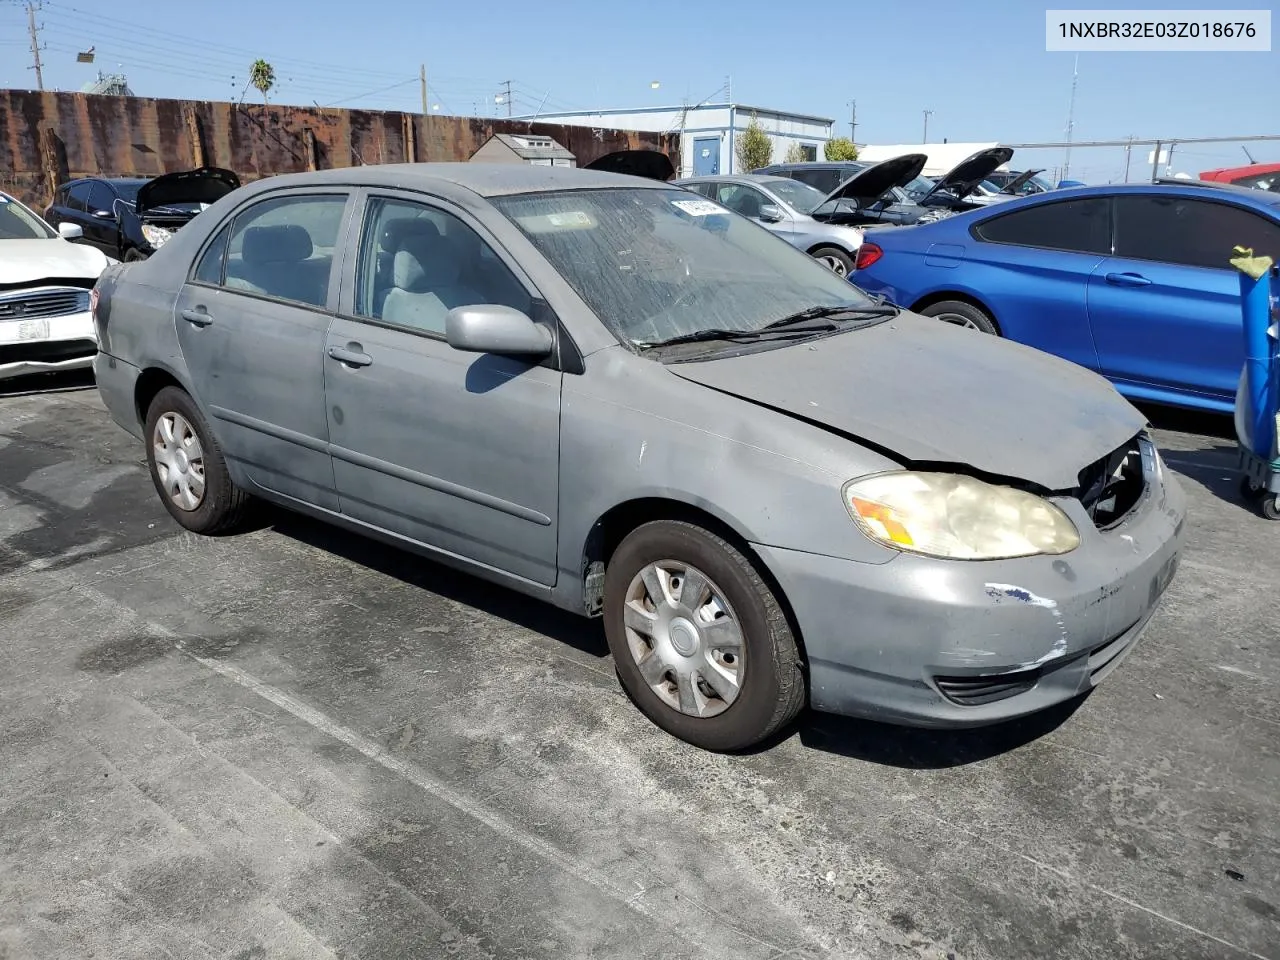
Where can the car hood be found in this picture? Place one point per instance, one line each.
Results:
(878, 179)
(651, 164)
(27, 261)
(931, 393)
(205, 185)
(964, 177)
(1013, 185)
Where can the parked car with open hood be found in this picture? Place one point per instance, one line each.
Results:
(795, 211)
(129, 218)
(893, 191)
(1020, 183)
(614, 395)
(45, 285)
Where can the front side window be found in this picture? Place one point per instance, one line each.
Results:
(1077, 226)
(418, 262)
(101, 199)
(1190, 232)
(654, 264)
(800, 196)
(284, 247)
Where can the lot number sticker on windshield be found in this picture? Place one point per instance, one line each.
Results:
(577, 218)
(698, 208)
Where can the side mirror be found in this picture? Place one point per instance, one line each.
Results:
(493, 328)
(103, 215)
(771, 213)
(70, 231)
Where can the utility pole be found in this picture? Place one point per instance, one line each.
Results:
(1128, 149)
(35, 43)
(853, 120)
(507, 84)
(1071, 119)
(426, 113)
(926, 126)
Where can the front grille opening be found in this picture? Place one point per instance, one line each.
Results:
(1111, 487)
(47, 351)
(43, 302)
(975, 691)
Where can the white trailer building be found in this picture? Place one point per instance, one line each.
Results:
(708, 131)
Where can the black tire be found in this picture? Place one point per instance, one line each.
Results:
(842, 263)
(773, 687)
(1250, 492)
(223, 506)
(1271, 507)
(962, 313)
(133, 255)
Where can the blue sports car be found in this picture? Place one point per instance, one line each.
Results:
(1131, 281)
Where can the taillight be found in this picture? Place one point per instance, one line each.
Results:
(868, 253)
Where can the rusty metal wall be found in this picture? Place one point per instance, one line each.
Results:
(48, 138)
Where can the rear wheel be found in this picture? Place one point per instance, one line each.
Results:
(698, 639)
(962, 314)
(835, 259)
(187, 466)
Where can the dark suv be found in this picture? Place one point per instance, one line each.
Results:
(129, 217)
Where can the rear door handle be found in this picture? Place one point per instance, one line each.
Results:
(352, 355)
(197, 317)
(1128, 280)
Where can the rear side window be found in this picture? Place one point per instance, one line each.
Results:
(1078, 226)
(284, 248)
(78, 195)
(209, 269)
(1190, 232)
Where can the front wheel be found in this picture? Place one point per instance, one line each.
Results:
(835, 259)
(962, 314)
(698, 639)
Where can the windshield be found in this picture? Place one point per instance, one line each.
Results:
(917, 188)
(657, 264)
(19, 223)
(802, 197)
(127, 190)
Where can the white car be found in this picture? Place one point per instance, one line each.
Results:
(45, 282)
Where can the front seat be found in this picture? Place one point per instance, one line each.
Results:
(427, 282)
(748, 204)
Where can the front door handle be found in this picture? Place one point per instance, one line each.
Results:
(1128, 280)
(352, 355)
(197, 317)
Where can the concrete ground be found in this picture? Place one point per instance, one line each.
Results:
(293, 743)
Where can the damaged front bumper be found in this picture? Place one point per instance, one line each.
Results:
(947, 643)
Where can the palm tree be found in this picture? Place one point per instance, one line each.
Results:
(263, 77)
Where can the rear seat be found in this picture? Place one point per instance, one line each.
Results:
(277, 261)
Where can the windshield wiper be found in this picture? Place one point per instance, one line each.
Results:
(792, 321)
(741, 336)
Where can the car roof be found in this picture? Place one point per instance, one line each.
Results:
(739, 177)
(485, 179)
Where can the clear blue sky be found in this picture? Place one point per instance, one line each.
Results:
(979, 65)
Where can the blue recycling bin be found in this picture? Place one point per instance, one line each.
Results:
(1258, 399)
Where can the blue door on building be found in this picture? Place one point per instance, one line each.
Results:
(706, 157)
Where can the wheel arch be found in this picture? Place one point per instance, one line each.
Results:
(613, 526)
(150, 382)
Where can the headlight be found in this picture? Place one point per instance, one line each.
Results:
(957, 517)
(155, 236)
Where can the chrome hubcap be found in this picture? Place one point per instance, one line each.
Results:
(957, 320)
(684, 638)
(835, 265)
(179, 461)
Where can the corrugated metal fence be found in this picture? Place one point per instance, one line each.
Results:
(48, 138)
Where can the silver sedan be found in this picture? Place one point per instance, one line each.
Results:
(614, 395)
(800, 214)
